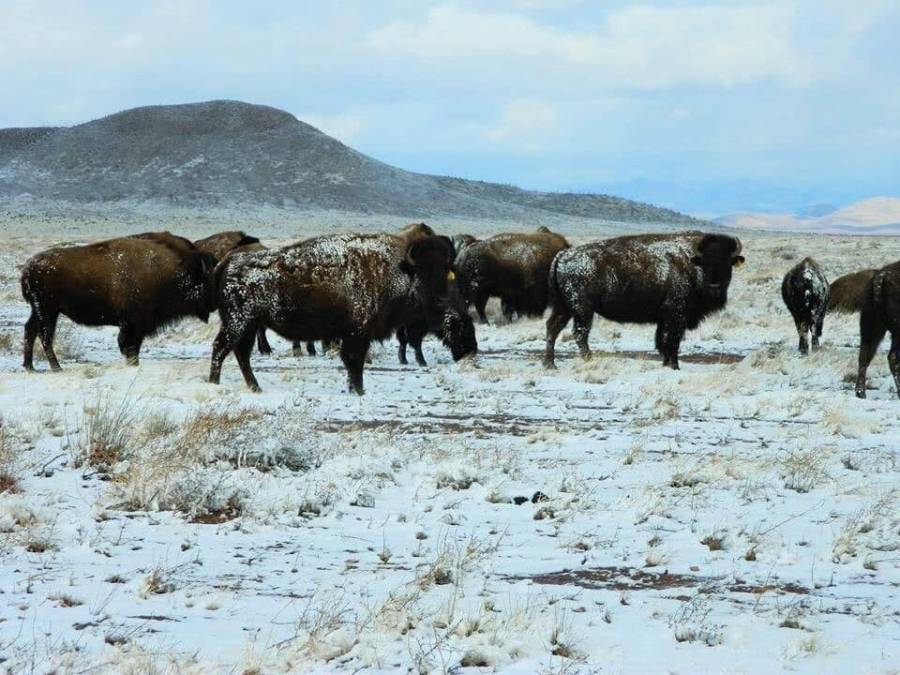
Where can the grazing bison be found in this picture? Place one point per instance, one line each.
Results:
(351, 288)
(139, 283)
(847, 294)
(222, 244)
(456, 331)
(510, 266)
(805, 292)
(672, 280)
(880, 313)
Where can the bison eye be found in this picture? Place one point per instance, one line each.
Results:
(697, 260)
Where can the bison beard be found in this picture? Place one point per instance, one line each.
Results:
(139, 283)
(349, 288)
(674, 281)
(805, 292)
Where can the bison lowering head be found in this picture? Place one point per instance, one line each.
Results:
(716, 256)
(457, 332)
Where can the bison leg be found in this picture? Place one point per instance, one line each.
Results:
(669, 338)
(817, 331)
(555, 323)
(401, 345)
(509, 309)
(480, 306)
(221, 348)
(581, 328)
(242, 350)
(47, 333)
(32, 326)
(130, 340)
(353, 354)
(262, 342)
(871, 332)
(416, 334)
(894, 359)
(802, 331)
(297, 348)
(311, 347)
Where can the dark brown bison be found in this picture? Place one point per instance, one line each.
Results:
(222, 244)
(804, 290)
(351, 288)
(847, 294)
(456, 331)
(139, 283)
(672, 280)
(511, 266)
(880, 313)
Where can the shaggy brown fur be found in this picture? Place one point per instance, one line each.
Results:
(351, 288)
(879, 314)
(672, 280)
(511, 266)
(139, 283)
(847, 294)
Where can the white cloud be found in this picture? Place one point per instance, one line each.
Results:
(643, 47)
(525, 124)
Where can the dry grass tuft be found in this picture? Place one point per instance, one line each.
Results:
(105, 434)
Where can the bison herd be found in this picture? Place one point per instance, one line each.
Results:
(350, 289)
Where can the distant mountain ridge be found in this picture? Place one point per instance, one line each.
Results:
(877, 215)
(224, 153)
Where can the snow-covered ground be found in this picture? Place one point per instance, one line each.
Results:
(740, 515)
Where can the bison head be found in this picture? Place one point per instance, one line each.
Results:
(457, 332)
(429, 261)
(716, 255)
(200, 293)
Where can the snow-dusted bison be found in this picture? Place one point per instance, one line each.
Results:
(804, 290)
(222, 244)
(880, 313)
(511, 266)
(672, 280)
(352, 288)
(139, 283)
(847, 294)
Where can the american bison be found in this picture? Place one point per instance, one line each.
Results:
(456, 331)
(511, 266)
(139, 283)
(351, 288)
(880, 313)
(672, 280)
(847, 294)
(222, 244)
(804, 290)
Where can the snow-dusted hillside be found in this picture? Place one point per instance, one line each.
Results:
(739, 515)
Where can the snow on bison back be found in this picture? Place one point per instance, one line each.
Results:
(672, 280)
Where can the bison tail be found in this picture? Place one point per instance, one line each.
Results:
(553, 294)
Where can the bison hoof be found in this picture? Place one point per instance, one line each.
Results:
(860, 393)
(549, 364)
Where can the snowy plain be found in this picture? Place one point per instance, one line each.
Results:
(739, 515)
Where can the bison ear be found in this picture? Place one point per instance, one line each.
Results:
(737, 260)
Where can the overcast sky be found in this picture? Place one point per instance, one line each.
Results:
(705, 107)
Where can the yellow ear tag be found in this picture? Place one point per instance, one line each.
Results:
(451, 276)
(738, 262)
